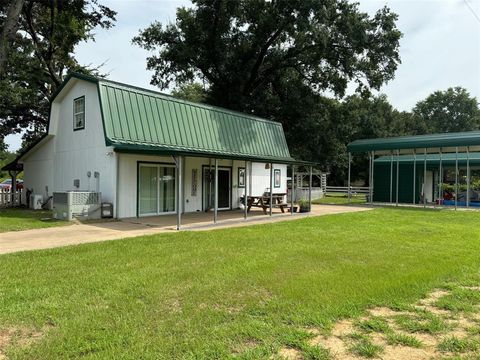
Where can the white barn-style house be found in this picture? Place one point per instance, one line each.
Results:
(150, 154)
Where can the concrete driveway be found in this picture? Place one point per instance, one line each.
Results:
(74, 234)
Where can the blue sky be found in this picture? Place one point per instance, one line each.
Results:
(440, 47)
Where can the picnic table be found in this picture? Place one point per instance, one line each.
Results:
(263, 201)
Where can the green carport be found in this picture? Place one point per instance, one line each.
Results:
(423, 169)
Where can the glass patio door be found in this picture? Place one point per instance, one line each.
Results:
(156, 189)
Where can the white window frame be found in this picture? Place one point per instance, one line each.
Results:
(75, 127)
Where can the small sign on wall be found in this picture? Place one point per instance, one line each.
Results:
(241, 177)
(194, 182)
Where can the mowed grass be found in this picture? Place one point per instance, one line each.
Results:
(242, 292)
(16, 219)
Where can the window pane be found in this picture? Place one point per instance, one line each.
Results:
(148, 190)
(79, 121)
(79, 105)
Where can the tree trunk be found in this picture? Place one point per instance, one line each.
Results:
(8, 31)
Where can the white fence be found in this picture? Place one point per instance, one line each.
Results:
(9, 198)
(354, 190)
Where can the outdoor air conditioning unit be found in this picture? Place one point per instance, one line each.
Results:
(78, 204)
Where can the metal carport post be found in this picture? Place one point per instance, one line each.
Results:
(398, 176)
(310, 189)
(468, 176)
(456, 177)
(425, 178)
(215, 200)
(391, 177)
(414, 174)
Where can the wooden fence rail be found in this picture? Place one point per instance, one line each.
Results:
(9, 198)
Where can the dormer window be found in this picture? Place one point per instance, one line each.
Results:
(79, 113)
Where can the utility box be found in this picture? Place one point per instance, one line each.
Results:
(107, 210)
(78, 204)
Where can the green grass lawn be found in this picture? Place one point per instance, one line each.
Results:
(242, 292)
(340, 199)
(23, 219)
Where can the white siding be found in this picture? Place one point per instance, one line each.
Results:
(38, 170)
(127, 181)
(72, 154)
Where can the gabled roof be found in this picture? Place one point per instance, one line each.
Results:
(141, 120)
(447, 140)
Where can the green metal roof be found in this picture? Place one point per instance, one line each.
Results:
(447, 159)
(416, 142)
(140, 120)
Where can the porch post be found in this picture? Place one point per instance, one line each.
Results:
(425, 178)
(179, 168)
(414, 175)
(456, 177)
(468, 176)
(271, 188)
(245, 199)
(349, 174)
(398, 177)
(13, 191)
(215, 201)
(310, 188)
(391, 177)
(292, 192)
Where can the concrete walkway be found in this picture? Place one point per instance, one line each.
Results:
(74, 234)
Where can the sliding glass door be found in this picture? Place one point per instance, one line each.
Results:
(156, 189)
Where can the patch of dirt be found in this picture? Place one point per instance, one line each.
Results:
(340, 339)
(290, 354)
(21, 337)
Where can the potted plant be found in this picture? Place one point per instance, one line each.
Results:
(304, 205)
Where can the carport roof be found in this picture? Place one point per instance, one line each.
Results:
(446, 140)
(447, 159)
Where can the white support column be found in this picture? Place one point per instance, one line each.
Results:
(456, 177)
(414, 175)
(292, 192)
(425, 178)
(215, 200)
(245, 199)
(468, 176)
(179, 168)
(398, 177)
(349, 176)
(391, 177)
(271, 189)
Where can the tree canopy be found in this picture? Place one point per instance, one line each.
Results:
(240, 49)
(36, 53)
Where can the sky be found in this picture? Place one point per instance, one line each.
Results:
(440, 47)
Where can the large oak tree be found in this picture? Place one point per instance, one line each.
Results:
(36, 53)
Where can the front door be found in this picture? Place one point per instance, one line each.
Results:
(224, 188)
(156, 189)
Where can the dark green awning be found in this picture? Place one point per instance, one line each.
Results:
(447, 140)
(432, 159)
